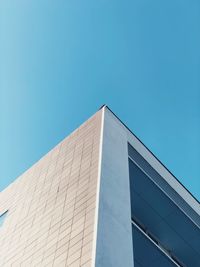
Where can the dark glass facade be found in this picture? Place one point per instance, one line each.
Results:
(147, 253)
(163, 234)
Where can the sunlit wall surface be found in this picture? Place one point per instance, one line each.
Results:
(51, 207)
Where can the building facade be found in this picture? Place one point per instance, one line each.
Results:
(99, 198)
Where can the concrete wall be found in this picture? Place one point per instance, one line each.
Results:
(114, 234)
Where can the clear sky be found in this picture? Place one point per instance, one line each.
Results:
(61, 60)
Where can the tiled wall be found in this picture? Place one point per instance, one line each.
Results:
(52, 205)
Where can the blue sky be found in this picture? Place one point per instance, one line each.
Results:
(61, 60)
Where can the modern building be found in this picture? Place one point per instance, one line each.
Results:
(99, 198)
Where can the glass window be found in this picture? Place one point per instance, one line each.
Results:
(158, 218)
(2, 218)
(146, 253)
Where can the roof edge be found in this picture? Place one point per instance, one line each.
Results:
(105, 106)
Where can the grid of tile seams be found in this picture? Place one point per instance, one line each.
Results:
(52, 205)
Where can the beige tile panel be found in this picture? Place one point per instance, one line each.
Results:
(52, 205)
